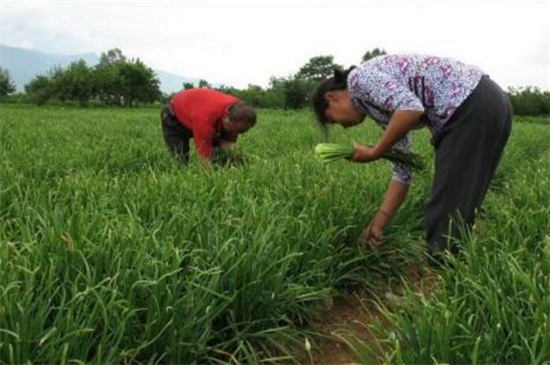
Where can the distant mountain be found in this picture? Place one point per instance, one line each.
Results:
(24, 64)
(170, 83)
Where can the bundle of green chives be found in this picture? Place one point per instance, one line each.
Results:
(328, 152)
(223, 157)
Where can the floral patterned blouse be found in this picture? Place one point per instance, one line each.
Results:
(434, 85)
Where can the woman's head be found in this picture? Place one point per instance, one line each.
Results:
(332, 102)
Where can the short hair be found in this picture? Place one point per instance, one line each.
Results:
(339, 81)
(240, 111)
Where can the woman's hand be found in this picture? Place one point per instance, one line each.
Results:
(372, 235)
(364, 153)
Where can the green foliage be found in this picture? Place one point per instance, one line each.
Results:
(40, 89)
(317, 69)
(7, 85)
(138, 83)
(119, 81)
(297, 89)
(115, 81)
(533, 119)
(296, 92)
(111, 57)
(257, 96)
(74, 83)
(328, 152)
(227, 158)
(493, 305)
(374, 53)
(530, 101)
(110, 252)
(204, 84)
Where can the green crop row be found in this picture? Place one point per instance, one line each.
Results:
(112, 253)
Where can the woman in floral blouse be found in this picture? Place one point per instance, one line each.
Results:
(467, 113)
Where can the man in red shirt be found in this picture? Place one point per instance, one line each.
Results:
(210, 117)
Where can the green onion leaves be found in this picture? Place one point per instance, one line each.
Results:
(328, 152)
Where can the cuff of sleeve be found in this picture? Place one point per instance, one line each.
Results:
(407, 181)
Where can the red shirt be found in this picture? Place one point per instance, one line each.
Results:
(201, 111)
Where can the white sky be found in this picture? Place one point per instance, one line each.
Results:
(246, 42)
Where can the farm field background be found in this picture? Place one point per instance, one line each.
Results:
(112, 253)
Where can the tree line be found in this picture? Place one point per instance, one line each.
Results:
(115, 80)
(119, 81)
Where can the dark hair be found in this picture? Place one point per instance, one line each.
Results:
(240, 111)
(339, 81)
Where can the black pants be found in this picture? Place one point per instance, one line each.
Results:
(468, 150)
(175, 135)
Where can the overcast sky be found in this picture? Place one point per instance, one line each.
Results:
(246, 42)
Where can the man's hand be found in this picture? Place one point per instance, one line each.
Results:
(227, 145)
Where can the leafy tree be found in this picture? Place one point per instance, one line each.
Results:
(204, 84)
(139, 83)
(115, 80)
(74, 83)
(317, 69)
(6, 83)
(530, 101)
(374, 53)
(295, 91)
(108, 83)
(188, 85)
(111, 57)
(120, 81)
(298, 92)
(257, 96)
(106, 77)
(39, 89)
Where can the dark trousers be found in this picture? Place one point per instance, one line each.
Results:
(176, 136)
(467, 152)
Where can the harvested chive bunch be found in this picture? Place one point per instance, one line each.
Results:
(328, 152)
(226, 158)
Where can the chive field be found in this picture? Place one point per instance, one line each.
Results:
(112, 253)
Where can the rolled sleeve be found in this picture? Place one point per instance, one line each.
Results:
(402, 174)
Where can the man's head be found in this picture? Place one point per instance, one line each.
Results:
(239, 118)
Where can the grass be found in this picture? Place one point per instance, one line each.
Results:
(112, 253)
(493, 306)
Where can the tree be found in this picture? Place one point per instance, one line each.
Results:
(256, 96)
(374, 53)
(295, 91)
(188, 85)
(139, 83)
(6, 83)
(204, 84)
(317, 69)
(125, 82)
(106, 77)
(39, 89)
(108, 84)
(530, 101)
(111, 57)
(74, 83)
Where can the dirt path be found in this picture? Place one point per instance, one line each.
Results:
(354, 315)
(349, 318)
